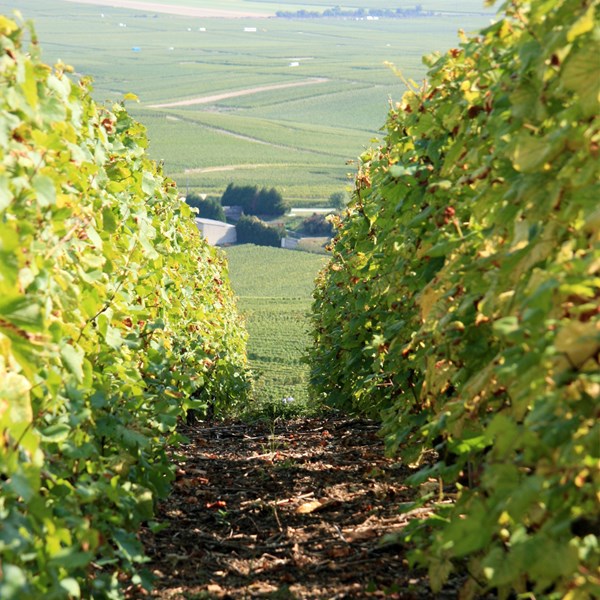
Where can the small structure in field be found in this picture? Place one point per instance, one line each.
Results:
(250, 29)
(233, 213)
(289, 243)
(216, 233)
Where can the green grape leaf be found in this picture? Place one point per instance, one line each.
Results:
(5, 193)
(58, 432)
(70, 558)
(129, 546)
(439, 571)
(45, 190)
(71, 587)
(498, 569)
(14, 579)
(73, 359)
(21, 312)
(580, 74)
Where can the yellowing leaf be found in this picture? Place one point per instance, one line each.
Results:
(30, 85)
(579, 341)
(7, 26)
(14, 399)
(308, 507)
(130, 96)
(584, 24)
(428, 297)
(313, 506)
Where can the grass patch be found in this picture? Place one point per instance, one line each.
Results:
(316, 245)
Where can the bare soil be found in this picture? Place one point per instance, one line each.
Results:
(290, 510)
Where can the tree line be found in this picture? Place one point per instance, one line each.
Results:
(253, 201)
(359, 13)
(266, 202)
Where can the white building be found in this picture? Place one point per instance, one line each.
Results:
(216, 233)
(289, 243)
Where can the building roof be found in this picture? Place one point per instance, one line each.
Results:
(214, 222)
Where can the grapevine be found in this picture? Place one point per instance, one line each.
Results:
(115, 319)
(467, 268)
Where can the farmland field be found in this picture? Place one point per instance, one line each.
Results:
(299, 139)
(274, 289)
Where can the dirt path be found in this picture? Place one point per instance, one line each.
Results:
(245, 92)
(230, 168)
(180, 10)
(298, 510)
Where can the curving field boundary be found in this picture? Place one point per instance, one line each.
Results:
(246, 92)
(174, 9)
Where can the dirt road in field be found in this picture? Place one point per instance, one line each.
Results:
(235, 94)
(182, 11)
(227, 168)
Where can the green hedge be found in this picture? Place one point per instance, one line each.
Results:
(467, 271)
(208, 208)
(115, 318)
(251, 230)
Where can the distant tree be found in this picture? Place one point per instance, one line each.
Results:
(317, 225)
(208, 208)
(240, 195)
(339, 200)
(251, 230)
(271, 202)
(254, 201)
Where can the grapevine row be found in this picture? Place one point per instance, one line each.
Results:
(115, 319)
(467, 271)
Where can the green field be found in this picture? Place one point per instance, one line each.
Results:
(301, 139)
(298, 139)
(274, 288)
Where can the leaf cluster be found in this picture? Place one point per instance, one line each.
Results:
(115, 318)
(467, 271)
